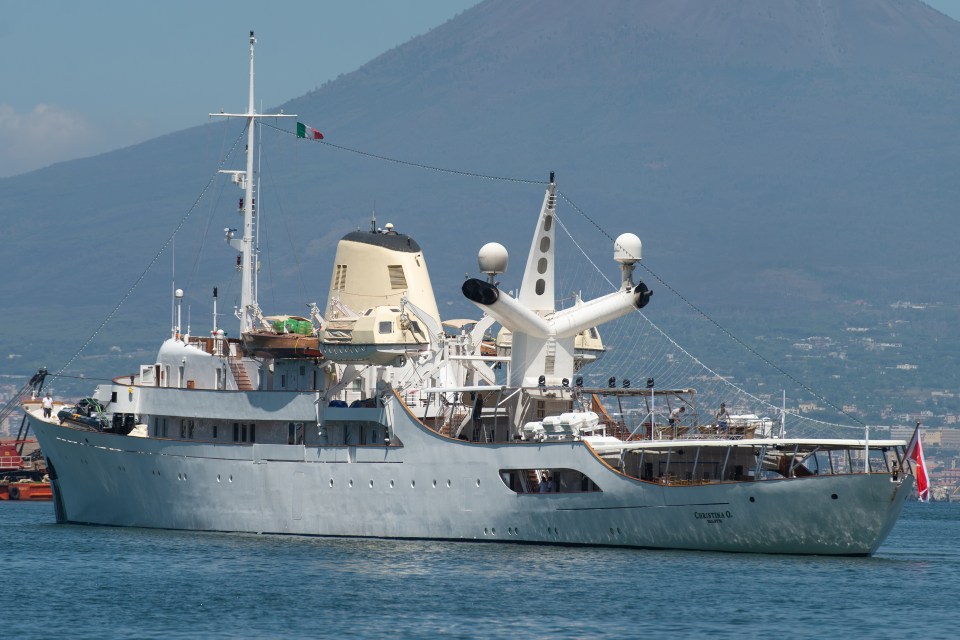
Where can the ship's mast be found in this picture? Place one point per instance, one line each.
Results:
(247, 298)
(245, 245)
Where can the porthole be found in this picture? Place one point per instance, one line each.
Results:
(371, 484)
(752, 499)
(478, 482)
(485, 531)
(434, 484)
(413, 483)
(833, 496)
(493, 531)
(391, 484)
(350, 484)
(331, 483)
(448, 484)
(230, 479)
(218, 477)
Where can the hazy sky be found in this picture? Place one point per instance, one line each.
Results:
(83, 77)
(78, 78)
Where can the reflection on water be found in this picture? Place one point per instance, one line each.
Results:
(144, 583)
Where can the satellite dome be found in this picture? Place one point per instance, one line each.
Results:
(493, 258)
(627, 249)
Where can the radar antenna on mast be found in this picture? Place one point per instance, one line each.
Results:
(248, 310)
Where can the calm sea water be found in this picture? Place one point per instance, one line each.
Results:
(99, 582)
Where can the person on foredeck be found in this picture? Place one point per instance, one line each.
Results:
(722, 418)
(47, 405)
(676, 415)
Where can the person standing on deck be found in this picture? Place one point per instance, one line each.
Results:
(676, 415)
(47, 404)
(723, 418)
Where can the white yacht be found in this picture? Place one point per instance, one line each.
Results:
(369, 419)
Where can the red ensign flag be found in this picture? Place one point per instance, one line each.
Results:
(915, 453)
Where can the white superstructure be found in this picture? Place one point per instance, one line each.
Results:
(379, 423)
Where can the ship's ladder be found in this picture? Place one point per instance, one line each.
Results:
(240, 374)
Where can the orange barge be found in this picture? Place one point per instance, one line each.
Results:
(28, 491)
(23, 477)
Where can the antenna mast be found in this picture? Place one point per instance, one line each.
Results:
(244, 179)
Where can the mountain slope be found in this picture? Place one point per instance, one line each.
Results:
(772, 155)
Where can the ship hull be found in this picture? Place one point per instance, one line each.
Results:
(437, 488)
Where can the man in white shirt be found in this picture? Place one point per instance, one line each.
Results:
(47, 405)
(676, 415)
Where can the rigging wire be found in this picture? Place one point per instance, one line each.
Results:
(295, 255)
(153, 261)
(716, 324)
(408, 163)
(483, 176)
(656, 276)
(211, 212)
(689, 355)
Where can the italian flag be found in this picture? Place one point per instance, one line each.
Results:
(303, 131)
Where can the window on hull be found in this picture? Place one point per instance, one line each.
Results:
(186, 428)
(547, 481)
(357, 434)
(749, 463)
(295, 433)
(242, 431)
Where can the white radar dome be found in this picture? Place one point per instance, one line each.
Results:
(178, 293)
(493, 258)
(627, 249)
